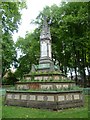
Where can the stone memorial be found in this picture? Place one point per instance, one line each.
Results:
(45, 86)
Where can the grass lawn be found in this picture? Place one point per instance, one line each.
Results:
(22, 112)
(0, 106)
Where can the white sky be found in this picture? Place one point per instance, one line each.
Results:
(29, 14)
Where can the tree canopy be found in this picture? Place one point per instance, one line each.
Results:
(10, 20)
(70, 29)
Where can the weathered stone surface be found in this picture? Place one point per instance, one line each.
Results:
(40, 98)
(65, 86)
(44, 85)
(58, 86)
(56, 77)
(21, 87)
(23, 97)
(38, 78)
(50, 98)
(69, 97)
(47, 100)
(17, 96)
(61, 98)
(47, 76)
(9, 96)
(27, 78)
(32, 97)
(76, 97)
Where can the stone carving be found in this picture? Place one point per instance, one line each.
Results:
(61, 98)
(69, 97)
(43, 49)
(32, 97)
(22, 87)
(33, 68)
(24, 97)
(76, 97)
(46, 86)
(50, 98)
(40, 98)
(28, 78)
(16, 96)
(58, 86)
(45, 98)
(56, 77)
(45, 30)
(65, 86)
(38, 78)
(9, 96)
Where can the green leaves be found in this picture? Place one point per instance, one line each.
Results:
(70, 35)
(10, 20)
(30, 49)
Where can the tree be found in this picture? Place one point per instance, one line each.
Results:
(10, 20)
(70, 39)
(70, 36)
(30, 52)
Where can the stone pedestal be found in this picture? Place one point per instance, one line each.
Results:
(45, 100)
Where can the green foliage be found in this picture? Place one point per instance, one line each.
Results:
(10, 20)
(70, 39)
(8, 52)
(10, 79)
(30, 52)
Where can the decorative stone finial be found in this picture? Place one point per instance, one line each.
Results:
(45, 33)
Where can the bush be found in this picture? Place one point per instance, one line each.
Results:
(10, 79)
(86, 91)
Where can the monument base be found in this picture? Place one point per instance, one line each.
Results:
(43, 75)
(44, 99)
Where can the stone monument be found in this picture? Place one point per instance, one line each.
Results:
(45, 86)
(45, 62)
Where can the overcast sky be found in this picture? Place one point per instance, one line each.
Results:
(29, 14)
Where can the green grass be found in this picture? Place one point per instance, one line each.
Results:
(0, 106)
(22, 112)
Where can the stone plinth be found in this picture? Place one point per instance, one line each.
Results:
(44, 85)
(45, 100)
(45, 76)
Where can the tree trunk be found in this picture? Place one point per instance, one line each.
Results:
(75, 75)
(83, 68)
(71, 73)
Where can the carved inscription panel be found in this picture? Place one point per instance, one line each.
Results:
(50, 98)
(23, 97)
(61, 98)
(65, 86)
(69, 97)
(16, 97)
(76, 96)
(32, 97)
(40, 98)
(58, 86)
(9, 96)
(43, 49)
(46, 86)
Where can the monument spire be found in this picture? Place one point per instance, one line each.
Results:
(45, 43)
(45, 33)
(45, 62)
